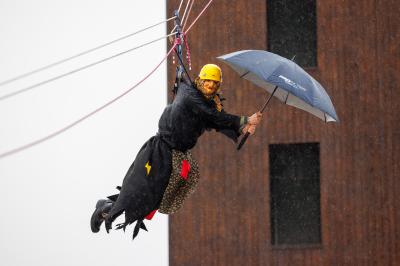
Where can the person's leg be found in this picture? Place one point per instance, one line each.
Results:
(103, 207)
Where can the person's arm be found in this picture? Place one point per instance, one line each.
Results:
(231, 133)
(246, 127)
(253, 121)
(223, 120)
(215, 119)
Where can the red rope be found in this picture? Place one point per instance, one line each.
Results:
(187, 52)
(201, 13)
(185, 33)
(62, 130)
(58, 132)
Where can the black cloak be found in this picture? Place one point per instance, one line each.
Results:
(180, 125)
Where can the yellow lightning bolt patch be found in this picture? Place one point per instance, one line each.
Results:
(148, 167)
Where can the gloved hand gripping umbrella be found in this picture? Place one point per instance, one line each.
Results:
(285, 80)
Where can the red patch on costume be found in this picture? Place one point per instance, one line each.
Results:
(185, 169)
(150, 215)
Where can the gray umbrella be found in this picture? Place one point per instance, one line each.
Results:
(284, 79)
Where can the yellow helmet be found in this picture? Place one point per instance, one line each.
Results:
(211, 72)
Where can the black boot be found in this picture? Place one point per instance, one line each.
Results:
(103, 207)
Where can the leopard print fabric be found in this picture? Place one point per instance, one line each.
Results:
(179, 189)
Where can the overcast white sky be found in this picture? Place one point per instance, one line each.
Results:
(48, 192)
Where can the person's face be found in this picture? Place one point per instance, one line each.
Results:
(210, 86)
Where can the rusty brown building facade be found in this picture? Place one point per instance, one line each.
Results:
(227, 221)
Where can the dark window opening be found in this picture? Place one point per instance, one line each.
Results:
(295, 194)
(292, 30)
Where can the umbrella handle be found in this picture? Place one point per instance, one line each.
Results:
(243, 140)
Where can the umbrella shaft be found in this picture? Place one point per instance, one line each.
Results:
(265, 105)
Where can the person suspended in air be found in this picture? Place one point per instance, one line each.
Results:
(164, 172)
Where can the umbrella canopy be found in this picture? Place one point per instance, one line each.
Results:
(295, 86)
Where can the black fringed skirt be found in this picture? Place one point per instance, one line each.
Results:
(144, 183)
